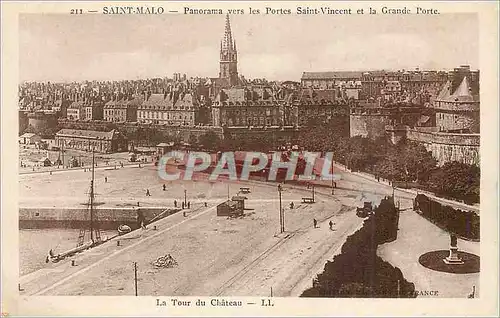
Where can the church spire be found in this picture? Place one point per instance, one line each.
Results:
(228, 56)
(228, 37)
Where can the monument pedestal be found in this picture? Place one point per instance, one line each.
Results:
(453, 258)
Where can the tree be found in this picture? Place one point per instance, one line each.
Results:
(456, 180)
(210, 140)
(192, 139)
(418, 162)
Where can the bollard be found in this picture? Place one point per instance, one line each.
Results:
(154, 227)
(73, 262)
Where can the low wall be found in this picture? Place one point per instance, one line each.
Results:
(76, 218)
(144, 133)
(447, 147)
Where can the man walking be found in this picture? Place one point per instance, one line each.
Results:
(331, 225)
(315, 223)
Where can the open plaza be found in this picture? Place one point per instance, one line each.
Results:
(216, 255)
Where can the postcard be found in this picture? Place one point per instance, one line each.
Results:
(249, 158)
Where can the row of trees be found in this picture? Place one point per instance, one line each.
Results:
(407, 161)
(357, 271)
(463, 223)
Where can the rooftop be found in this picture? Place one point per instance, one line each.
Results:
(88, 134)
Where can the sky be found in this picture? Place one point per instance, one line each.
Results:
(114, 47)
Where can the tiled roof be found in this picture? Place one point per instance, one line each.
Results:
(166, 101)
(462, 93)
(124, 103)
(330, 75)
(90, 134)
(318, 94)
(27, 135)
(76, 105)
(445, 91)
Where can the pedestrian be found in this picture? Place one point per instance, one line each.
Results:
(315, 223)
(175, 203)
(164, 187)
(183, 205)
(206, 204)
(105, 179)
(137, 203)
(331, 225)
(291, 205)
(184, 213)
(189, 205)
(147, 193)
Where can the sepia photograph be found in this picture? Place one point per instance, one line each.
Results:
(306, 151)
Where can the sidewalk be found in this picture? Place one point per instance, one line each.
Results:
(454, 204)
(417, 236)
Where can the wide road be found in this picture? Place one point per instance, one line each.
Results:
(216, 256)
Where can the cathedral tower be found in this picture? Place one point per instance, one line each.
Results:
(228, 56)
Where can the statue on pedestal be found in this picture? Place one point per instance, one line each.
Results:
(453, 240)
(453, 258)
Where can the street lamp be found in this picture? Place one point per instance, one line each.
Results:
(393, 187)
(282, 222)
(333, 191)
(311, 186)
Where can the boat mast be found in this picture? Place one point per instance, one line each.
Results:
(92, 200)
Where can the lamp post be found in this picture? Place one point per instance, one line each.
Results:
(282, 225)
(333, 191)
(311, 186)
(393, 187)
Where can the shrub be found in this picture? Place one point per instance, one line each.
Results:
(463, 223)
(357, 271)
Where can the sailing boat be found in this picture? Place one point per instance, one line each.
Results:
(95, 233)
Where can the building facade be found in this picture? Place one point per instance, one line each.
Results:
(93, 110)
(459, 111)
(248, 107)
(455, 135)
(373, 84)
(315, 106)
(123, 110)
(88, 140)
(76, 111)
(175, 108)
